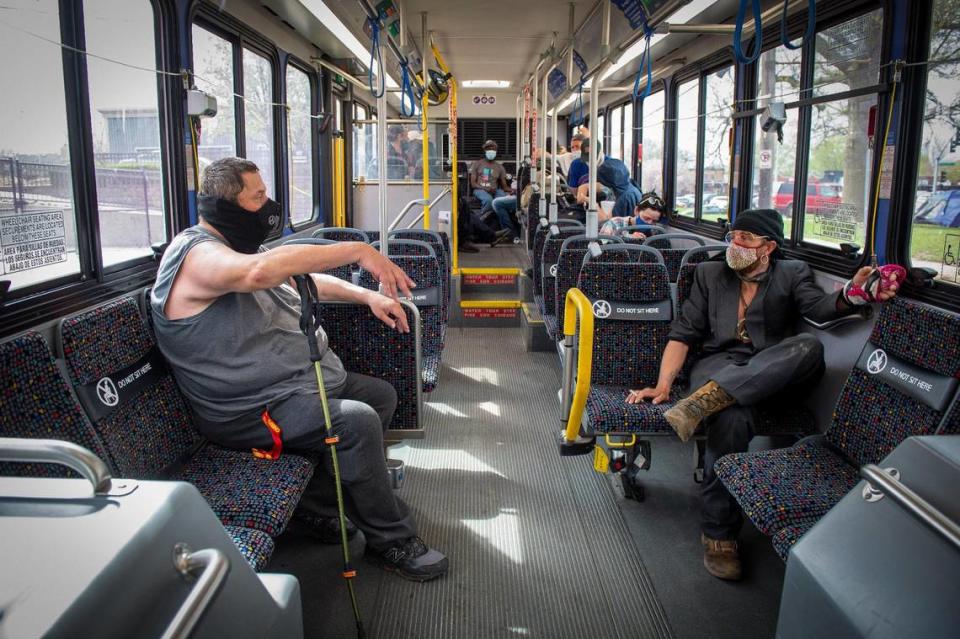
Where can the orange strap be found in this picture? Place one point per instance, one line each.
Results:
(275, 433)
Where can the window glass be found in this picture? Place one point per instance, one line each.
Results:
(258, 114)
(935, 233)
(404, 151)
(717, 124)
(38, 232)
(126, 127)
(838, 174)
(213, 69)
(848, 55)
(688, 107)
(616, 130)
(628, 140)
(601, 133)
(651, 163)
(299, 145)
(774, 162)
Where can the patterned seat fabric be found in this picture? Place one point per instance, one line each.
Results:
(568, 270)
(425, 272)
(373, 235)
(245, 491)
(37, 404)
(626, 354)
(786, 486)
(152, 435)
(533, 223)
(548, 262)
(796, 486)
(342, 234)
(443, 257)
(539, 237)
(785, 538)
(381, 352)
(431, 372)
(255, 546)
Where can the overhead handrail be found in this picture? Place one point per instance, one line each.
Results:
(213, 567)
(55, 451)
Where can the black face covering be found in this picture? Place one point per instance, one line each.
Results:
(244, 230)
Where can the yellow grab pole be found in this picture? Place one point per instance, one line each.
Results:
(578, 306)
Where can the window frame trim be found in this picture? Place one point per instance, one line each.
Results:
(315, 149)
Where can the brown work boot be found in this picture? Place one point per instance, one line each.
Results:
(687, 414)
(721, 558)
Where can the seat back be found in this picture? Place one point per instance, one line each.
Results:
(344, 272)
(649, 230)
(667, 244)
(902, 384)
(548, 263)
(126, 389)
(424, 270)
(342, 234)
(632, 311)
(569, 262)
(688, 265)
(532, 221)
(37, 404)
(540, 237)
(434, 239)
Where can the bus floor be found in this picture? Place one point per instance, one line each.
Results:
(539, 546)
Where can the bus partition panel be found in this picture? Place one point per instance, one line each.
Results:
(39, 405)
(135, 406)
(904, 384)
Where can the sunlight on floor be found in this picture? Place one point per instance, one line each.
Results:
(441, 459)
(502, 533)
(444, 409)
(480, 374)
(489, 407)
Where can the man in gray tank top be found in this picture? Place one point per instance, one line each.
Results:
(228, 320)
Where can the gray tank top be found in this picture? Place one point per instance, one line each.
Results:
(242, 352)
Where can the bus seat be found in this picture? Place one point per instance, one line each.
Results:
(38, 404)
(626, 352)
(256, 546)
(552, 244)
(672, 254)
(786, 537)
(569, 262)
(531, 221)
(343, 272)
(434, 239)
(425, 271)
(902, 385)
(342, 234)
(368, 346)
(149, 431)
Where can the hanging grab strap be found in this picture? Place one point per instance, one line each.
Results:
(376, 54)
(645, 59)
(406, 91)
(742, 58)
(578, 106)
(811, 25)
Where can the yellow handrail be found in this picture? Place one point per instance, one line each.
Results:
(577, 306)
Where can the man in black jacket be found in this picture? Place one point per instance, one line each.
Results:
(742, 314)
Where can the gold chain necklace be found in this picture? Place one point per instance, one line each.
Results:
(742, 334)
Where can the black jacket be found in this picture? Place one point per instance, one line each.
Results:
(709, 314)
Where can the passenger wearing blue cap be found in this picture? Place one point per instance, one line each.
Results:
(742, 313)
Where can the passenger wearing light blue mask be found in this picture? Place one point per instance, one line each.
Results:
(488, 178)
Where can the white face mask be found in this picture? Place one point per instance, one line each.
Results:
(740, 258)
(490, 155)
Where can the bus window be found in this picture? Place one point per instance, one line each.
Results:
(616, 133)
(651, 166)
(840, 159)
(300, 129)
(258, 114)
(774, 164)
(688, 108)
(716, 146)
(126, 128)
(213, 67)
(629, 153)
(37, 213)
(935, 232)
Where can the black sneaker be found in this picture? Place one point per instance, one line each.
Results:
(411, 559)
(467, 247)
(325, 529)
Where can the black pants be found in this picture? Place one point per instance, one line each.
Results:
(359, 412)
(789, 368)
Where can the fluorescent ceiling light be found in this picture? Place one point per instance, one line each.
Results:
(681, 16)
(343, 34)
(485, 84)
(566, 103)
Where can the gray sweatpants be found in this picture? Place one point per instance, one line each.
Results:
(786, 369)
(360, 411)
